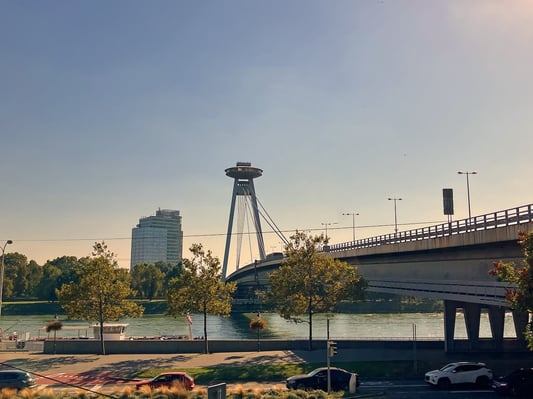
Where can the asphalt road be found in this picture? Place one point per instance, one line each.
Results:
(112, 372)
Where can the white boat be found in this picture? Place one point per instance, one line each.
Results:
(112, 331)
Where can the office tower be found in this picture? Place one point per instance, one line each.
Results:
(157, 238)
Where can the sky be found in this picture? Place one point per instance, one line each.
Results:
(110, 110)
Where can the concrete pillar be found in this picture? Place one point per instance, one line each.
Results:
(520, 320)
(472, 319)
(450, 309)
(497, 322)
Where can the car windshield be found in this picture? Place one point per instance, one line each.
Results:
(314, 372)
(448, 367)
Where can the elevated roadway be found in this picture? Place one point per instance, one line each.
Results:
(449, 262)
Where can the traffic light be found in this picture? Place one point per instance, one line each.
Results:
(332, 348)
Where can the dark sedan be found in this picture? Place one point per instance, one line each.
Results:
(518, 383)
(169, 380)
(318, 379)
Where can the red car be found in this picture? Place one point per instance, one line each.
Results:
(169, 380)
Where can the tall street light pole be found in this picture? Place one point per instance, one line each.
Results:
(395, 214)
(328, 224)
(2, 274)
(468, 190)
(353, 215)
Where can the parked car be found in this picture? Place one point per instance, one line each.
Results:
(16, 379)
(517, 383)
(318, 379)
(459, 373)
(169, 379)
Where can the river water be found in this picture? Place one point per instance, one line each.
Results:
(350, 326)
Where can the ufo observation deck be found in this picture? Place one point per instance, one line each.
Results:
(244, 171)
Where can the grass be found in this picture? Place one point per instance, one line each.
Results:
(279, 372)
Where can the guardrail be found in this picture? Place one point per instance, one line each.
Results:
(508, 217)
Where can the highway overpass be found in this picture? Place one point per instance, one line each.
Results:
(449, 262)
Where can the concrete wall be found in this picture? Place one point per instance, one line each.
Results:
(76, 346)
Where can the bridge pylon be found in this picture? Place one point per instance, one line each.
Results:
(243, 175)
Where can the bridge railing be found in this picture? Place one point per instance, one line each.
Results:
(512, 216)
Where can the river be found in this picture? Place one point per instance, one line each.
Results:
(352, 326)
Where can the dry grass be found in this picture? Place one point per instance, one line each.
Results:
(237, 391)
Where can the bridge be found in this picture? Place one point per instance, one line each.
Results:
(448, 262)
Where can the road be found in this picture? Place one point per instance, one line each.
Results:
(109, 373)
(420, 390)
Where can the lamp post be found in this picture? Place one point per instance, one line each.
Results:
(328, 224)
(395, 214)
(353, 215)
(2, 273)
(467, 190)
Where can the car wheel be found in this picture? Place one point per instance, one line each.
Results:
(482, 380)
(301, 386)
(444, 383)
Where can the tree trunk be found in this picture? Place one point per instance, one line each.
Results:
(310, 330)
(102, 346)
(206, 346)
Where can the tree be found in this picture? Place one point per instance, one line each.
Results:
(258, 325)
(69, 265)
(34, 277)
(199, 288)
(55, 326)
(46, 289)
(16, 275)
(147, 280)
(309, 281)
(170, 271)
(520, 297)
(100, 292)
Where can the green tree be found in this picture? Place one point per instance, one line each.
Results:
(16, 275)
(170, 271)
(199, 288)
(520, 297)
(147, 280)
(55, 326)
(34, 277)
(46, 288)
(100, 293)
(258, 325)
(309, 281)
(69, 266)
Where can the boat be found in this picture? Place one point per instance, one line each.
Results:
(112, 331)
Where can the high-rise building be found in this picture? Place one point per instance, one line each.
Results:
(157, 238)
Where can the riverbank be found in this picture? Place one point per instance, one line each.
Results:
(159, 307)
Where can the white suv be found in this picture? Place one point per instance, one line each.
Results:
(459, 373)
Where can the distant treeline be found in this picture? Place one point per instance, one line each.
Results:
(31, 308)
(24, 280)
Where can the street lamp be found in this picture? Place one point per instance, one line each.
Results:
(395, 214)
(353, 215)
(467, 189)
(2, 274)
(328, 224)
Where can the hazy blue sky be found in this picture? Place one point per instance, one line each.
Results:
(112, 109)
